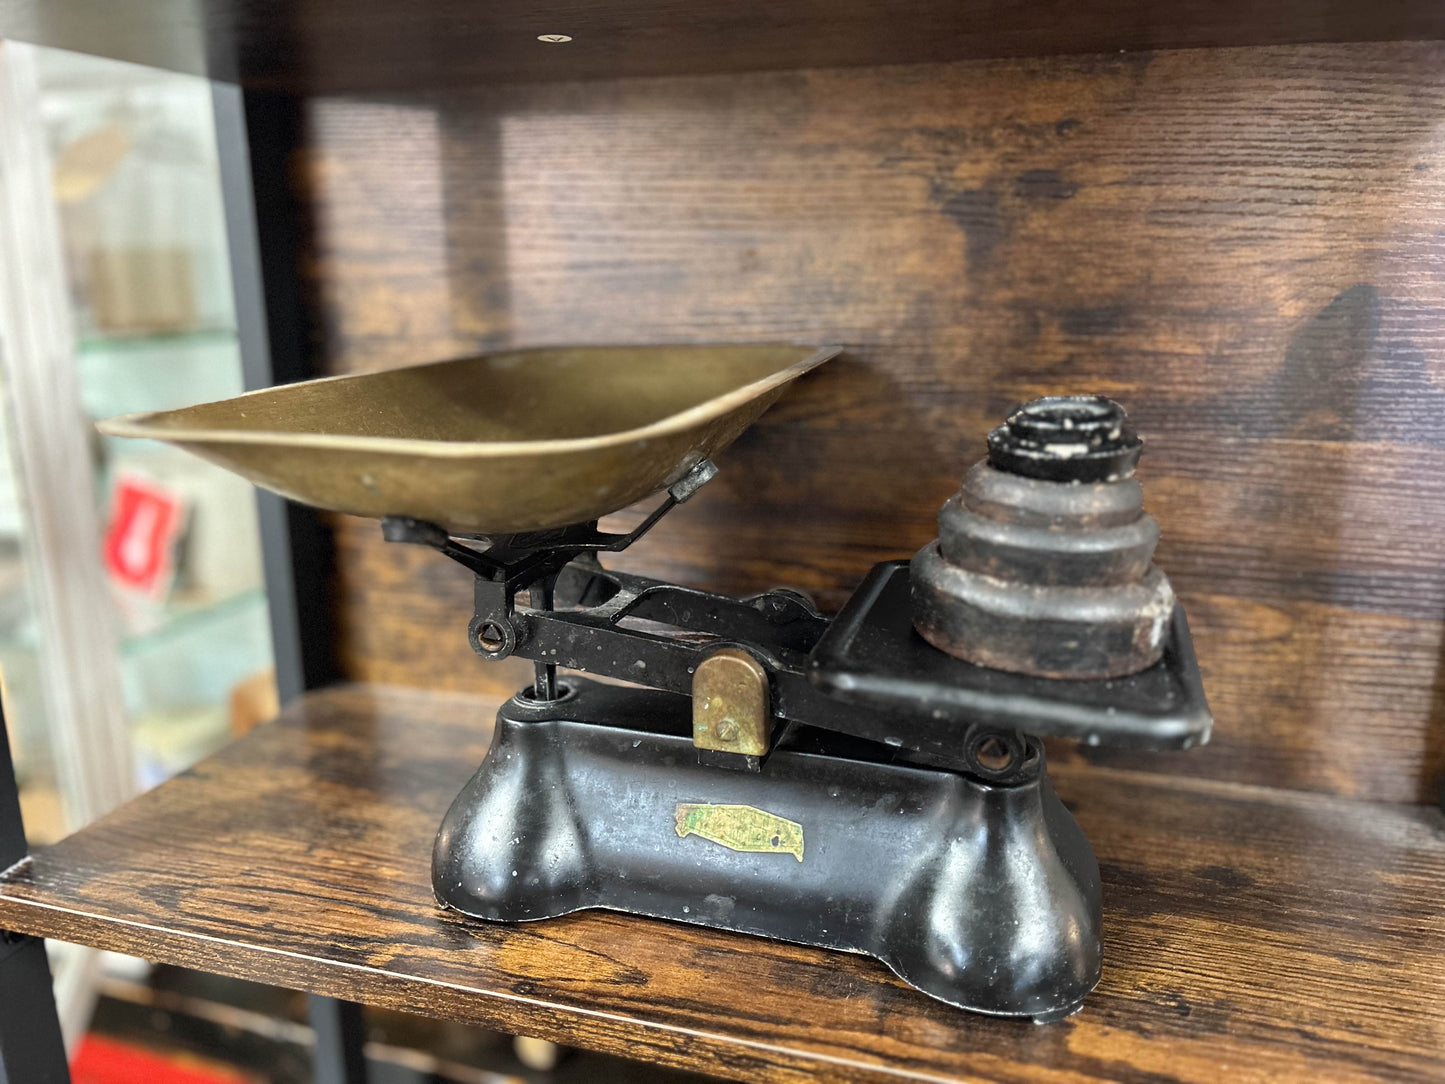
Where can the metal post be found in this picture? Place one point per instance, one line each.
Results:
(340, 1041)
(32, 1050)
(255, 135)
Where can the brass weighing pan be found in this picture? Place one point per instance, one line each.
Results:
(523, 440)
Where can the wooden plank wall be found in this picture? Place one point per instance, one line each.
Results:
(1246, 247)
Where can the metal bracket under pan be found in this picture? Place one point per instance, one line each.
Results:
(866, 673)
(984, 896)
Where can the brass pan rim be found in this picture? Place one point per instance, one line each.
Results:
(141, 425)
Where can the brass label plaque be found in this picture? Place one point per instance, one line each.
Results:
(741, 828)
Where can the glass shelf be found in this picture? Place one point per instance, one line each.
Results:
(118, 344)
(183, 617)
(125, 375)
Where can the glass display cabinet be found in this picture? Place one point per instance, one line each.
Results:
(134, 634)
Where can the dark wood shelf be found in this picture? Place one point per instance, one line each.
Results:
(1251, 932)
(331, 47)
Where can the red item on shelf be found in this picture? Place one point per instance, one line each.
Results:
(105, 1061)
(145, 520)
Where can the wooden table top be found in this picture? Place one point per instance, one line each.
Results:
(1249, 933)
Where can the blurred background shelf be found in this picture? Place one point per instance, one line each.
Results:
(154, 346)
(186, 615)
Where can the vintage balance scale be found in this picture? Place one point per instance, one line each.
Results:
(870, 782)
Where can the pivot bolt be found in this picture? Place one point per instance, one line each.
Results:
(731, 710)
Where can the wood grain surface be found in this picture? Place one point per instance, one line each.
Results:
(1244, 246)
(1249, 934)
(350, 46)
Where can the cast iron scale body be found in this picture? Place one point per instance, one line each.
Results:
(889, 799)
(871, 782)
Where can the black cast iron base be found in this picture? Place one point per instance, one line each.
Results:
(984, 896)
